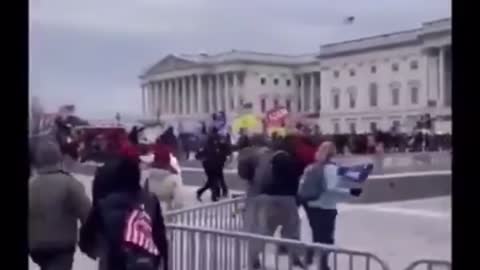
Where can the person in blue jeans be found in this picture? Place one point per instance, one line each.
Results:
(322, 212)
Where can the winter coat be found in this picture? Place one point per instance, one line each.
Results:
(166, 185)
(57, 201)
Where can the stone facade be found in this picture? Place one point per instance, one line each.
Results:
(355, 85)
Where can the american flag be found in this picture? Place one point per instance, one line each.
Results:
(138, 231)
(349, 20)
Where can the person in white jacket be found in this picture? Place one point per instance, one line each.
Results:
(166, 183)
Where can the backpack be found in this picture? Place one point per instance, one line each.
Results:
(247, 162)
(312, 183)
(263, 177)
(130, 234)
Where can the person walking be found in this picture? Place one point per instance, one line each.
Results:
(118, 215)
(277, 177)
(57, 201)
(163, 179)
(248, 160)
(213, 160)
(322, 210)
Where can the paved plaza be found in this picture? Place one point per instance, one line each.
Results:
(398, 232)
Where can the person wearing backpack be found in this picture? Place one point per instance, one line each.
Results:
(276, 180)
(320, 191)
(125, 228)
(57, 201)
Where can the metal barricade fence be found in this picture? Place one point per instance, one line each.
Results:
(430, 265)
(193, 248)
(209, 236)
(223, 215)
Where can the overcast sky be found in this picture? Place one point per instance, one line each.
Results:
(90, 52)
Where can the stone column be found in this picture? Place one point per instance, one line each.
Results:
(166, 96)
(200, 93)
(441, 76)
(172, 99)
(234, 91)
(191, 95)
(212, 94)
(312, 92)
(149, 99)
(144, 109)
(432, 75)
(300, 93)
(219, 92)
(186, 106)
(173, 96)
(180, 96)
(161, 107)
(154, 98)
(163, 104)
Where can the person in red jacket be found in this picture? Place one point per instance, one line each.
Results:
(162, 157)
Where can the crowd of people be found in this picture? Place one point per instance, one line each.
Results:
(274, 174)
(122, 225)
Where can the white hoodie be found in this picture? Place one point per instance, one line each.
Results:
(166, 186)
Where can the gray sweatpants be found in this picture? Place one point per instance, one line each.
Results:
(269, 212)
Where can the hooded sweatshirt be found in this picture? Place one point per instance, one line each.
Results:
(57, 201)
(110, 208)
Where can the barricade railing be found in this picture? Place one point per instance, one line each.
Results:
(209, 236)
(430, 265)
(223, 215)
(193, 248)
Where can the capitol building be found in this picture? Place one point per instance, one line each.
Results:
(357, 85)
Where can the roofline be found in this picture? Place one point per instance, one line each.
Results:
(360, 50)
(418, 32)
(239, 61)
(247, 51)
(371, 37)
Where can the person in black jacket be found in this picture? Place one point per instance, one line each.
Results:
(277, 203)
(102, 233)
(213, 156)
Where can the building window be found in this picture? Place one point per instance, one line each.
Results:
(336, 98)
(275, 103)
(352, 72)
(373, 69)
(414, 95)
(396, 125)
(352, 97)
(414, 65)
(336, 73)
(395, 67)
(275, 81)
(373, 127)
(288, 104)
(263, 105)
(318, 104)
(395, 96)
(373, 95)
(353, 128)
(336, 128)
(288, 82)
(263, 81)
